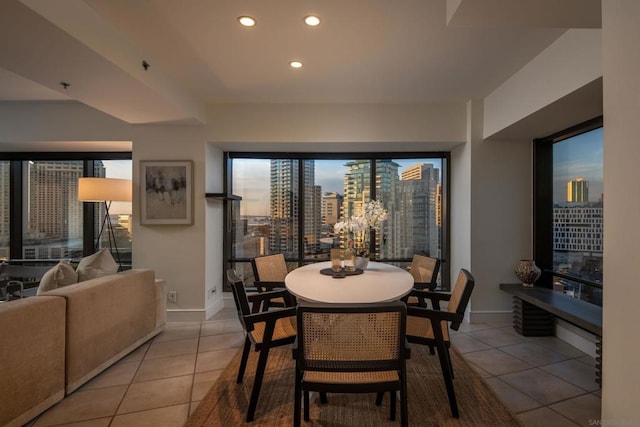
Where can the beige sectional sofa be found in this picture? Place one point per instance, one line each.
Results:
(53, 343)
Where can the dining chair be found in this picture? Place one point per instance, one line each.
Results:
(431, 326)
(351, 349)
(264, 330)
(424, 270)
(269, 272)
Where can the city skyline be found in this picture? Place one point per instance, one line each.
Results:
(578, 157)
(254, 185)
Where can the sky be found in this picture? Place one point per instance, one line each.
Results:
(251, 180)
(119, 169)
(578, 157)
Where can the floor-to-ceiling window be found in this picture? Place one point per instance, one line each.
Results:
(289, 203)
(570, 210)
(42, 218)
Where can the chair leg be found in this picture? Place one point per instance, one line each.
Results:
(432, 350)
(243, 361)
(379, 397)
(297, 400)
(257, 384)
(323, 397)
(306, 405)
(392, 405)
(445, 365)
(450, 365)
(404, 405)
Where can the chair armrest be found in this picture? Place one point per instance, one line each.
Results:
(266, 316)
(434, 315)
(262, 296)
(269, 285)
(435, 297)
(425, 285)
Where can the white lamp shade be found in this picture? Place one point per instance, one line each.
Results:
(104, 189)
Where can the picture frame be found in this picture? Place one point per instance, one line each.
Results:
(166, 192)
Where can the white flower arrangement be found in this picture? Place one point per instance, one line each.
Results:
(372, 217)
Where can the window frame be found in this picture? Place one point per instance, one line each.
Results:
(229, 261)
(16, 184)
(543, 199)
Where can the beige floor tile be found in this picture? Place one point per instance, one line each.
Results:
(534, 354)
(156, 394)
(542, 386)
(543, 417)
(172, 348)
(498, 337)
(171, 416)
(221, 341)
(496, 362)
(561, 346)
(119, 374)
(465, 343)
(469, 327)
(479, 370)
(166, 367)
(588, 360)
(584, 410)
(221, 327)
(202, 383)
(137, 354)
(514, 400)
(100, 422)
(577, 373)
(83, 405)
(227, 313)
(215, 360)
(193, 407)
(176, 333)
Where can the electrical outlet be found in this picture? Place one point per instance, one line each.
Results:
(172, 296)
(212, 292)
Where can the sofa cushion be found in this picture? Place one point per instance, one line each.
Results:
(97, 265)
(62, 274)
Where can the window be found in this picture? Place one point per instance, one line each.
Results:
(289, 204)
(569, 210)
(42, 218)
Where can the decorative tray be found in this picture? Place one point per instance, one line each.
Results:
(341, 274)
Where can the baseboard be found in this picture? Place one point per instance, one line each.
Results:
(490, 316)
(212, 309)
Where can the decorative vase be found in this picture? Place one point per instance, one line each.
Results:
(528, 272)
(361, 262)
(349, 257)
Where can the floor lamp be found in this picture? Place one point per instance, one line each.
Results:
(105, 190)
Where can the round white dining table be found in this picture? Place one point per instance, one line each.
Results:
(379, 282)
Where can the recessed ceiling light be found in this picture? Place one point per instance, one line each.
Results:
(246, 21)
(295, 64)
(311, 20)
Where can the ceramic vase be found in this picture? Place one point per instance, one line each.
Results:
(528, 272)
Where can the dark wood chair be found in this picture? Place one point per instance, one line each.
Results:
(269, 272)
(351, 349)
(264, 330)
(424, 270)
(431, 326)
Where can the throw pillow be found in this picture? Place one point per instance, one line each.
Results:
(97, 265)
(62, 274)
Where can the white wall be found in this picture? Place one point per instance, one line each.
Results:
(621, 71)
(571, 62)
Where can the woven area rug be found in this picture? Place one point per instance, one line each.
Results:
(226, 403)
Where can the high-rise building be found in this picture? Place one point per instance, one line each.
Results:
(331, 208)
(284, 204)
(578, 191)
(357, 193)
(418, 208)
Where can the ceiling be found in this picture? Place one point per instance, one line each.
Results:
(364, 51)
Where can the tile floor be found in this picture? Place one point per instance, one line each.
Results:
(544, 381)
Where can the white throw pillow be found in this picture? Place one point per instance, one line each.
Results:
(62, 274)
(97, 265)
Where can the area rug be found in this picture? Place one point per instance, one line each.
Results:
(226, 403)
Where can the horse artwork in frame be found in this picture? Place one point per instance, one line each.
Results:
(166, 192)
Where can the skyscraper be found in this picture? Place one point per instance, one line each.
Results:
(578, 191)
(418, 211)
(284, 204)
(331, 208)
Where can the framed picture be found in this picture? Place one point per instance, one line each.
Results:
(166, 192)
